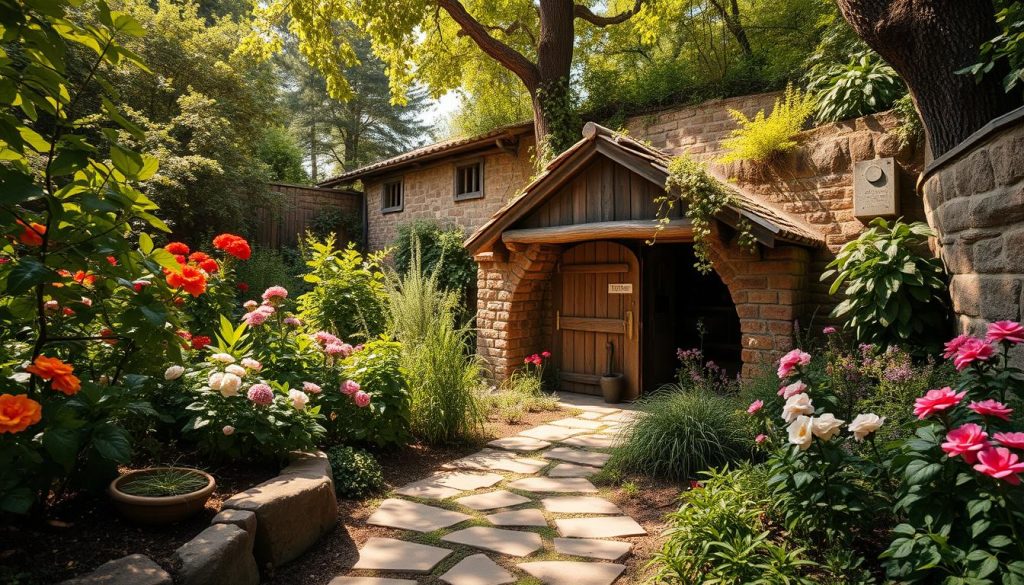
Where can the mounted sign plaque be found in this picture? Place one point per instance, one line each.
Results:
(875, 190)
(617, 288)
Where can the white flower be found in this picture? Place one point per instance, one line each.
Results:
(236, 370)
(298, 398)
(865, 424)
(796, 405)
(229, 385)
(216, 378)
(826, 426)
(223, 358)
(800, 431)
(228, 430)
(252, 364)
(173, 372)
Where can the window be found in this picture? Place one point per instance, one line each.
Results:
(469, 180)
(391, 197)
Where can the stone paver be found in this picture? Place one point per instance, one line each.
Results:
(491, 460)
(518, 443)
(579, 505)
(591, 458)
(624, 416)
(527, 517)
(578, 423)
(427, 489)
(406, 515)
(445, 484)
(369, 581)
(573, 573)
(608, 550)
(389, 554)
(492, 500)
(571, 470)
(554, 485)
(550, 433)
(477, 570)
(514, 543)
(586, 415)
(607, 527)
(591, 441)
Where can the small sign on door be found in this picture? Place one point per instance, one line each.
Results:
(620, 288)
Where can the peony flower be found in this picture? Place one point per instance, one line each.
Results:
(229, 385)
(954, 344)
(937, 401)
(224, 358)
(251, 364)
(865, 424)
(755, 406)
(829, 330)
(250, 305)
(216, 378)
(791, 361)
(58, 373)
(190, 278)
(793, 389)
(1005, 331)
(31, 233)
(342, 349)
(255, 318)
(293, 321)
(228, 430)
(796, 405)
(299, 399)
(173, 372)
(236, 370)
(801, 431)
(260, 394)
(972, 350)
(310, 388)
(965, 441)
(1000, 463)
(275, 294)
(324, 338)
(349, 387)
(760, 438)
(992, 408)
(18, 412)
(826, 426)
(1015, 440)
(177, 248)
(362, 399)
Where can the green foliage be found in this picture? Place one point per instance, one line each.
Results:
(895, 289)
(682, 433)
(356, 473)
(164, 482)
(764, 137)
(386, 421)
(864, 85)
(911, 128)
(441, 254)
(265, 268)
(280, 152)
(348, 296)
(1005, 48)
(342, 224)
(523, 391)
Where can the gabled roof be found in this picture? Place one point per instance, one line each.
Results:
(769, 223)
(433, 152)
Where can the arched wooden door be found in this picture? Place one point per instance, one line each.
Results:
(597, 301)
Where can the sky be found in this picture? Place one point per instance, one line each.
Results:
(437, 113)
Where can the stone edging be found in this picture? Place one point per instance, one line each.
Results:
(977, 137)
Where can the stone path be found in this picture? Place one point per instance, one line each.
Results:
(521, 510)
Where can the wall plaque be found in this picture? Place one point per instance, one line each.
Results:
(620, 288)
(875, 190)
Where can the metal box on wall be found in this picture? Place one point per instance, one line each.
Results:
(875, 188)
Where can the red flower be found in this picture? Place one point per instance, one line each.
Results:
(184, 334)
(177, 248)
(936, 401)
(991, 408)
(545, 354)
(233, 245)
(972, 350)
(180, 258)
(108, 333)
(1000, 463)
(191, 279)
(198, 257)
(954, 344)
(200, 341)
(31, 234)
(1015, 440)
(1008, 331)
(243, 287)
(138, 285)
(209, 265)
(965, 441)
(112, 260)
(84, 278)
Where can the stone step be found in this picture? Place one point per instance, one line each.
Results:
(606, 527)
(527, 517)
(591, 458)
(477, 570)
(492, 500)
(406, 515)
(514, 543)
(579, 505)
(389, 554)
(553, 485)
(573, 572)
(607, 550)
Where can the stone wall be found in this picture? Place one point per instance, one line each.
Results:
(974, 198)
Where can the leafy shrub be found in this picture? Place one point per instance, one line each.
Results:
(895, 289)
(441, 253)
(864, 85)
(356, 473)
(762, 138)
(348, 296)
(1004, 47)
(339, 223)
(376, 368)
(268, 267)
(682, 433)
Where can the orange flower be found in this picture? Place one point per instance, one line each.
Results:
(233, 245)
(31, 234)
(84, 278)
(210, 266)
(177, 248)
(57, 372)
(18, 412)
(191, 279)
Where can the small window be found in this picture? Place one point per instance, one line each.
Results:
(469, 180)
(392, 197)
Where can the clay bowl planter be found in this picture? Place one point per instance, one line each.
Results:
(196, 485)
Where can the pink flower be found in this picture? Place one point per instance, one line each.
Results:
(791, 361)
(324, 338)
(228, 430)
(954, 344)
(1015, 440)
(991, 408)
(362, 399)
(260, 394)
(936, 401)
(293, 321)
(255, 318)
(695, 485)
(275, 294)
(972, 350)
(760, 438)
(829, 330)
(1000, 463)
(793, 389)
(349, 387)
(545, 354)
(310, 388)
(1005, 331)
(250, 305)
(342, 349)
(755, 406)
(965, 441)
(358, 347)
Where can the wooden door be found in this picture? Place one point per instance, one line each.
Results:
(597, 298)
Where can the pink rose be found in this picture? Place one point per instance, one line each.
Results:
(991, 408)
(311, 388)
(1015, 440)
(1000, 463)
(760, 438)
(791, 361)
(349, 387)
(260, 394)
(755, 406)
(972, 350)
(1005, 331)
(228, 430)
(829, 330)
(936, 401)
(362, 399)
(965, 441)
(793, 389)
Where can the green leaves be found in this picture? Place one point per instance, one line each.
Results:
(26, 274)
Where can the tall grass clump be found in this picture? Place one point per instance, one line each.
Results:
(682, 433)
(443, 375)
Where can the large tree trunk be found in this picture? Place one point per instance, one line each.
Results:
(926, 42)
(555, 129)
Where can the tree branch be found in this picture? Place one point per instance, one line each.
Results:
(588, 15)
(511, 59)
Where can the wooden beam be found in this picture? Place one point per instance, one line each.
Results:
(677, 230)
(592, 324)
(595, 268)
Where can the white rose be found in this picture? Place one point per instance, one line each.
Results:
(826, 426)
(229, 385)
(216, 379)
(236, 370)
(865, 424)
(797, 405)
(223, 358)
(298, 398)
(228, 430)
(252, 364)
(800, 431)
(173, 372)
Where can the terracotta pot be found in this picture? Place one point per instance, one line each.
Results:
(160, 509)
(612, 387)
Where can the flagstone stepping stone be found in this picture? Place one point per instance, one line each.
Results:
(522, 444)
(623, 416)
(369, 581)
(389, 554)
(427, 489)
(550, 433)
(591, 441)
(571, 470)
(586, 415)
(492, 500)
(514, 543)
(590, 458)
(579, 505)
(464, 481)
(608, 550)
(406, 515)
(608, 527)
(553, 484)
(477, 570)
(573, 573)
(591, 408)
(578, 423)
(527, 517)
(490, 459)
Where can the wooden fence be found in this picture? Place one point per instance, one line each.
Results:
(298, 208)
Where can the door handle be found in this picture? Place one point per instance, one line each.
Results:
(629, 324)
(558, 320)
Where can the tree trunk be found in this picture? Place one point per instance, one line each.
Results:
(555, 128)
(927, 42)
(312, 151)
